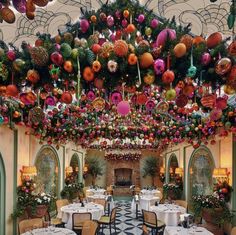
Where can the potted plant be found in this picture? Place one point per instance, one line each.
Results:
(172, 191)
(211, 208)
(95, 167)
(223, 190)
(35, 205)
(150, 167)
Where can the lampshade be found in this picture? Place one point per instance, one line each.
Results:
(162, 170)
(29, 171)
(220, 172)
(69, 170)
(85, 169)
(179, 171)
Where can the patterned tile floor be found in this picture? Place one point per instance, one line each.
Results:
(126, 222)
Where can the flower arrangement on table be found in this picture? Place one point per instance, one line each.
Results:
(72, 189)
(172, 191)
(213, 206)
(223, 190)
(28, 201)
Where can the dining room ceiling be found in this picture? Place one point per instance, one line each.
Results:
(206, 17)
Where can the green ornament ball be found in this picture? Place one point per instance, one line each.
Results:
(65, 50)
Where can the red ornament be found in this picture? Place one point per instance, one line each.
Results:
(168, 77)
(66, 97)
(12, 90)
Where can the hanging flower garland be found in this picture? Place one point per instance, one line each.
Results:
(123, 156)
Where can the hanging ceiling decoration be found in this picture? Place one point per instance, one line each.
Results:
(121, 74)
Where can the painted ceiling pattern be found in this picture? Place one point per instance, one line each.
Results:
(204, 16)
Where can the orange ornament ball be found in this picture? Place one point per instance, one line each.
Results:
(132, 59)
(168, 77)
(40, 3)
(93, 19)
(66, 97)
(180, 50)
(149, 79)
(95, 48)
(12, 90)
(130, 28)
(146, 60)
(88, 74)
(96, 66)
(187, 40)
(214, 40)
(126, 13)
(120, 48)
(198, 40)
(68, 66)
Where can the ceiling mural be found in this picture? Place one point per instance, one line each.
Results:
(205, 17)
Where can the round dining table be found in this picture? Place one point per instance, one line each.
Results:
(175, 230)
(168, 213)
(50, 231)
(67, 211)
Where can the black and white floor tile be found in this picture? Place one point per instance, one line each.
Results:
(126, 222)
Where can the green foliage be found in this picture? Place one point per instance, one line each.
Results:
(173, 191)
(72, 191)
(150, 167)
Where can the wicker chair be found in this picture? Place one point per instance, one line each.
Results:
(78, 220)
(182, 203)
(109, 220)
(29, 224)
(150, 221)
(109, 190)
(100, 201)
(233, 231)
(60, 203)
(89, 227)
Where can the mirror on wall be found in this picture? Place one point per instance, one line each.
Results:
(173, 165)
(201, 167)
(47, 171)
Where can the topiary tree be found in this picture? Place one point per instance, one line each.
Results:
(95, 167)
(150, 167)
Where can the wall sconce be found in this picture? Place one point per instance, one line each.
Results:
(85, 169)
(69, 170)
(221, 174)
(28, 171)
(178, 175)
(179, 171)
(162, 174)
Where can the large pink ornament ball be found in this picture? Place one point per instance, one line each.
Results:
(123, 108)
(159, 66)
(206, 58)
(110, 21)
(141, 18)
(163, 35)
(84, 25)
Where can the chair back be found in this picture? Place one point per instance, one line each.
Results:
(233, 231)
(113, 215)
(182, 203)
(60, 203)
(89, 227)
(149, 217)
(100, 201)
(78, 219)
(158, 194)
(29, 224)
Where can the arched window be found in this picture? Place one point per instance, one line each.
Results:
(200, 170)
(47, 164)
(2, 195)
(76, 166)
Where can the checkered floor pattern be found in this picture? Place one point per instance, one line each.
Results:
(126, 222)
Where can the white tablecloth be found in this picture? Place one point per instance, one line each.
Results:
(149, 192)
(50, 231)
(145, 202)
(95, 209)
(95, 191)
(173, 230)
(168, 213)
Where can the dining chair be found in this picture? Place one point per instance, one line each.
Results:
(100, 201)
(108, 220)
(233, 231)
(150, 221)
(109, 190)
(89, 227)
(60, 203)
(29, 224)
(182, 203)
(78, 220)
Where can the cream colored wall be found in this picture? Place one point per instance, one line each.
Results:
(221, 152)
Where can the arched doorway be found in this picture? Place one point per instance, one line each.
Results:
(2, 196)
(76, 166)
(48, 169)
(200, 169)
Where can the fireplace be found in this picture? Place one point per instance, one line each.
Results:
(123, 176)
